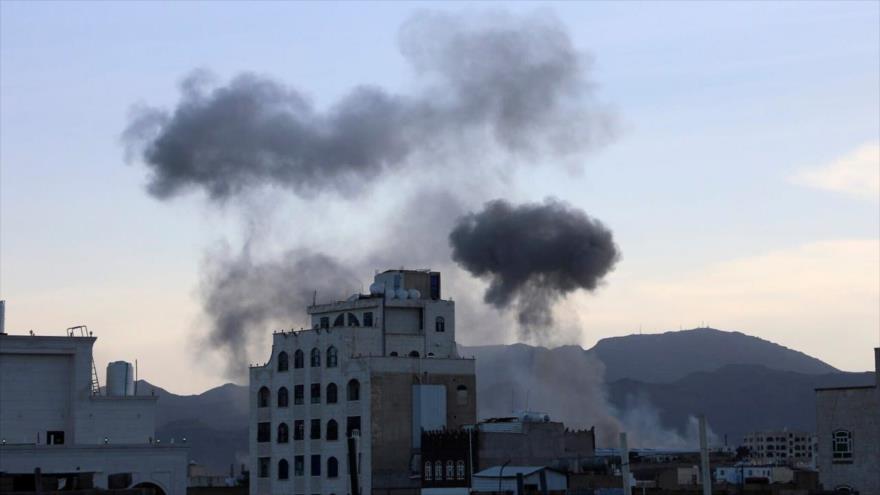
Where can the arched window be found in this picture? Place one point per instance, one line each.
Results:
(428, 471)
(841, 446)
(331, 393)
(438, 471)
(332, 430)
(439, 324)
(354, 390)
(282, 399)
(283, 433)
(450, 470)
(353, 320)
(298, 358)
(339, 321)
(413, 353)
(316, 358)
(332, 467)
(283, 470)
(263, 397)
(283, 361)
(461, 395)
(459, 470)
(331, 357)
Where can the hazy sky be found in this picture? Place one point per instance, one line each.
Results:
(743, 186)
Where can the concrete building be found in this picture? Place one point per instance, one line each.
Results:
(519, 480)
(781, 447)
(848, 430)
(532, 439)
(55, 419)
(339, 408)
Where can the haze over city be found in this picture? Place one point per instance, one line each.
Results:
(732, 182)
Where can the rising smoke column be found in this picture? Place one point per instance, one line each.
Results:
(533, 254)
(516, 85)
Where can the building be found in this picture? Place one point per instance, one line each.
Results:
(531, 439)
(848, 431)
(58, 428)
(781, 447)
(339, 408)
(448, 458)
(520, 480)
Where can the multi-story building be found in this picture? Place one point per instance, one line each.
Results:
(339, 408)
(531, 439)
(781, 447)
(848, 429)
(58, 429)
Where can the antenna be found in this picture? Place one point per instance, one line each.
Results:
(314, 297)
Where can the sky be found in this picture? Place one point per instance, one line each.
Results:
(742, 183)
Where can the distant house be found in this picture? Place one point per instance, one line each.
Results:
(781, 447)
(848, 430)
(535, 479)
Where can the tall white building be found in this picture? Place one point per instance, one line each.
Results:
(55, 419)
(343, 404)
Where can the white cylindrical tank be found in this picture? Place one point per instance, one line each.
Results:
(120, 379)
(376, 288)
(415, 294)
(401, 293)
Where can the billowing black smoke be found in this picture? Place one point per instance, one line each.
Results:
(516, 85)
(533, 254)
(241, 293)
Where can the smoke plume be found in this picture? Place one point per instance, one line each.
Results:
(244, 297)
(533, 254)
(516, 85)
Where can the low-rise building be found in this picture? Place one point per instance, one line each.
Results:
(848, 430)
(532, 439)
(781, 447)
(520, 480)
(58, 427)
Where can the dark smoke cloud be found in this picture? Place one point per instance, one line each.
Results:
(244, 297)
(512, 84)
(533, 254)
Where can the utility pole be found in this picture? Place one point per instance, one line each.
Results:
(704, 458)
(624, 464)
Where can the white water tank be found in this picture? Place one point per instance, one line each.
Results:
(120, 379)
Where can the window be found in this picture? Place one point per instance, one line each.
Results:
(439, 324)
(393, 354)
(354, 390)
(264, 432)
(299, 429)
(315, 430)
(316, 465)
(332, 430)
(352, 423)
(298, 359)
(332, 467)
(325, 322)
(413, 353)
(263, 467)
(368, 319)
(263, 397)
(283, 433)
(331, 357)
(438, 470)
(461, 395)
(450, 470)
(331, 393)
(842, 446)
(428, 470)
(316, 358)
(298, 394)
(55, 438)
(339, 321)
(316, 393)
(353, 320)
(283, 361)
(459, 470)
(283, 469)
(299, 466)
(282, 397)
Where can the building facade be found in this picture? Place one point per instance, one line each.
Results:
(340, 407)
(781, 447)
(848, 430)
(532, 439)
(54, 418)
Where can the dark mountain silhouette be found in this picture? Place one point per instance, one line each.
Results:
(740, 382)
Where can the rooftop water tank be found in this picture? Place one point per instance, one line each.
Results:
(120, 379)
(415, 294)
(401, 293)
(376, 288)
